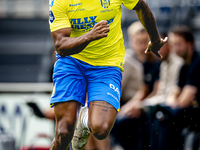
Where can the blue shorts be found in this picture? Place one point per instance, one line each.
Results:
(73, 78)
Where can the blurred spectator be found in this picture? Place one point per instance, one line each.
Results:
(135, 56)
(127, 125)
(187, 89)
(184, 99)
(169, 72)
(138, 40)
(186, 96)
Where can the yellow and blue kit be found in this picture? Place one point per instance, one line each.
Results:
(96, 70)
(81, 16)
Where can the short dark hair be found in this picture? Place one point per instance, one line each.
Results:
(184, 32)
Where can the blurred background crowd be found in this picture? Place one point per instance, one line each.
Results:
(148, 119)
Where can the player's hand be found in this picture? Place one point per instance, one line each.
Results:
(154, 47)
(100, 30)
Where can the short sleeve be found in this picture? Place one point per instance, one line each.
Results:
(58, 18)
(130, 4)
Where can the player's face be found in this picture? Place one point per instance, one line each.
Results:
(139, 42)
(179, 45)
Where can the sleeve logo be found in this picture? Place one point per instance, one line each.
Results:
(51, 3)
(51, 16)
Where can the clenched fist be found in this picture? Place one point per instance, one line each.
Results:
(100, 30)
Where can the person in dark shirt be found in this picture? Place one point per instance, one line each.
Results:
(180, 110)
(190, 73)
(184, 101)
(187, 90)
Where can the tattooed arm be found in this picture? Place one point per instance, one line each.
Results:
(146, 17)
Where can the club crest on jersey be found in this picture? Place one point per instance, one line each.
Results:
(51, 3)
(105, 3)
(51, 16)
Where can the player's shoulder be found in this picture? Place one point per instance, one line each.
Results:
(60, 3)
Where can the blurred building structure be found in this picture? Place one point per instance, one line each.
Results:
(25, 41)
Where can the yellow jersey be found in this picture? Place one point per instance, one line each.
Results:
(81, 16)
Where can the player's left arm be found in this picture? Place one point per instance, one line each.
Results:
(146, 17)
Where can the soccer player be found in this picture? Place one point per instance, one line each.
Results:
(90, 55)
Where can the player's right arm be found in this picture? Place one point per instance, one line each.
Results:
(66, 45)
(61, 30)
